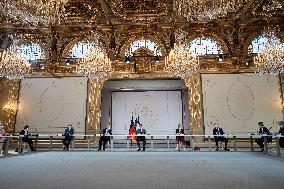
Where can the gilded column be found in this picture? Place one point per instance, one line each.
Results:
(94, 105)
(194, 103)
(9, 90)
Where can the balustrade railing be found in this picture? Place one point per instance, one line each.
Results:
(249, 140)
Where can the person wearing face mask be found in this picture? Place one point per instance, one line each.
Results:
(140, 131)
(68, 137)
(105, 137)
(262, 131)
(218, 135)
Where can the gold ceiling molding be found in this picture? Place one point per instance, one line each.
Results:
(140, 9)
(268, 8)
(77, 8)
(78, 12)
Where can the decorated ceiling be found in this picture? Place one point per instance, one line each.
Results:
(59, 25)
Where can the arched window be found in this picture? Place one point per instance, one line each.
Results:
(205, 46)
(151, 45)
(31, 51)
(80, 49)
(259, 43)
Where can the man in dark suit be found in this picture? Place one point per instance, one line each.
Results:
(104, 137)
(218, 135)
(281, 132)
(25, 134)
(68, 137)
(262, 131)
(140, 131)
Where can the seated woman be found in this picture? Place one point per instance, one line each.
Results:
(25, 138)
(180, 139)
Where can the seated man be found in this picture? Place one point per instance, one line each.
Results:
(68, 137)
(25, 134)
(219, 132)
(262, 131)
(140, 131)
(105, 138)
(281, 132)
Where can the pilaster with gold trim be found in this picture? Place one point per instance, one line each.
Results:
(9, 90)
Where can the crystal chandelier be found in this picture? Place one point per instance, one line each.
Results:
(181, 61)
(34, 12)
(13, 65)
(271, 59)
(95, 64)
(206, 10)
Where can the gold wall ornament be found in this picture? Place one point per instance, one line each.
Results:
(9, 95)
(56, 68)
(143, 59)
(95, 64)
(271, 59)
(95, 87)
(194, 103)
(13, 65)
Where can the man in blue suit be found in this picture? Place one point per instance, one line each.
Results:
(68, 137)
(218, 135)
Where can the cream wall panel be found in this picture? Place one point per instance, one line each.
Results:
(50, 104)
(237, 102)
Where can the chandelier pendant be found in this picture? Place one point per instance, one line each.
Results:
(181, 62)
(271, 59)
(13, 65)
(95, 64)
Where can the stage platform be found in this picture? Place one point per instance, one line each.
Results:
(142, 170)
